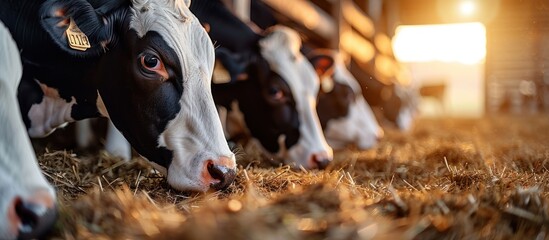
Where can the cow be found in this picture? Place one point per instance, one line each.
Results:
(271, 89)
(344, 114)
(146, 65)
(27, 200)
(343, 119)
(397, 103)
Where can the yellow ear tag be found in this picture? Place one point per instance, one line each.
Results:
(77, 39)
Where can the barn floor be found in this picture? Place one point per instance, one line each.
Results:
(446, 179)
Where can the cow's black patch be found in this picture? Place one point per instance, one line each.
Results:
(334, 104)
(33, 95)
(265, 117)
(143, 103)
(265, 98)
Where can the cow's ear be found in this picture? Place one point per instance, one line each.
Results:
(80, 28)
(323, 64)
(228, 67)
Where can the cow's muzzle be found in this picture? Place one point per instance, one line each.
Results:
(34, 216)
(222, 173)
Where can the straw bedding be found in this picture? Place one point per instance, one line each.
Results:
(446, 179)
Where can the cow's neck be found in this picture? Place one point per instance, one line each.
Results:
(226, 30)
(52, 112)
(50, 98)
(228, 97)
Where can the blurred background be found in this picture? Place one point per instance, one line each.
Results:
(467, 58)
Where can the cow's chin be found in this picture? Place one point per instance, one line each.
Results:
(297, 156)
(179, 181)
(340, 133)
(181, 178)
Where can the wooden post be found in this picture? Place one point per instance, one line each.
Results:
(339, 24)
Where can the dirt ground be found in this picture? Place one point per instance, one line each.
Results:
(446, 179)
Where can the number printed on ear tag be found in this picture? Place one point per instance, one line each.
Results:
(77, 39)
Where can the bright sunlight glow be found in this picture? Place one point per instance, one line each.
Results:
(463, 43)
(467, 7)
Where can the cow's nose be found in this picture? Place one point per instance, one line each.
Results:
(319, 160)
(223, 174)
(34, 216)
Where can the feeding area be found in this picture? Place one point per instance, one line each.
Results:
(274, 119)
(446, 179)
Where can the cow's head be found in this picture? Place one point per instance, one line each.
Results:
(153, 76)
(400, 105)
(280, 112)
(27, 201)
(344, 114)
(397, 103)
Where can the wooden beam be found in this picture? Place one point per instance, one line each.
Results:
(356, 45)
(306, 14)
(358, 19)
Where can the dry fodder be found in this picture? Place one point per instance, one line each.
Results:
(446, 179)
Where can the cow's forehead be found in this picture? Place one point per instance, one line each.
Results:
(179, 28)
(281, 50)
(343, 76)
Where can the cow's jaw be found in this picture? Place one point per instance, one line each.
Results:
(195, 137)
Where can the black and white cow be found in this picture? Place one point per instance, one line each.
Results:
(345, 117)
(272, 87)
(145, 64)
(344, 114)
(27, 201)
(397, 103)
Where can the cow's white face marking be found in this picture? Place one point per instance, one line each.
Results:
(281, 50)
(51, 113)
(360, 125)
(19, 171)
(195, 135)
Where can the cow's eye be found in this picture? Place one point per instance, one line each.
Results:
(276, 93)
(152, 63)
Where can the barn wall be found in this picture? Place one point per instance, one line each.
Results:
(518, 58)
